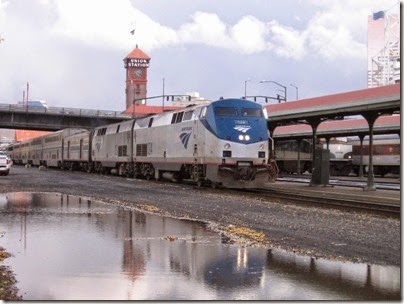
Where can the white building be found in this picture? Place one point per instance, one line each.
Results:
(196, 99)
(383, 48)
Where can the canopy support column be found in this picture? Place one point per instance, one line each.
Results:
(370, 118)
(361, 137)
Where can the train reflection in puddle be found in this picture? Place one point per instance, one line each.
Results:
(72, 248)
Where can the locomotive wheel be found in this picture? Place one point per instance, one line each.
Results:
(200, 183)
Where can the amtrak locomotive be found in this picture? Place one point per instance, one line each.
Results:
(225, 143)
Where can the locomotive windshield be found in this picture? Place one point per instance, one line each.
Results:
(226, 111)
(251, 112)
(236, 120)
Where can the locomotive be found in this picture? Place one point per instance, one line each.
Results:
(225, 143)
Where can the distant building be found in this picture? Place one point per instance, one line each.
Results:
(383, 49)
(9, 136)
(190, 98)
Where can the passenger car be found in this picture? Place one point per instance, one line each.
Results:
(5, 163)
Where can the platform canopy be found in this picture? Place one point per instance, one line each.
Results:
(377, 101)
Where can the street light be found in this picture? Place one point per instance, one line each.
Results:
(285, 97)
(297, 91)
(163, 92)
(245, 87)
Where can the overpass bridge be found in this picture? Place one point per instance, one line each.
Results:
(16, 116)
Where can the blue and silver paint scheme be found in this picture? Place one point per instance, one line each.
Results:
(236, 120)
(235, 143)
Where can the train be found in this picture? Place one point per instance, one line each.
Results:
(344, 155)
(225, 143)
(386, 154)
(286, 152)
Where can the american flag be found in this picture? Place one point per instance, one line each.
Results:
(378, 15)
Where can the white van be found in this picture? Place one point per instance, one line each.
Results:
(37, 105)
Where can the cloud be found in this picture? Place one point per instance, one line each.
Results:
(337, 30)
(206, 28)
(290, 42)
(95, 22)
(75, 40)
(250, 34)
(3, 6)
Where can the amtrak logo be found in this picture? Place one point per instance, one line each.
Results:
(243, 129)
(185, 138)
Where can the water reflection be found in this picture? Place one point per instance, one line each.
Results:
(73, 248)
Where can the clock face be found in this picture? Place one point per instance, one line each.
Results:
(138, 72)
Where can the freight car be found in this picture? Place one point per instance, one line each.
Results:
(224, 143)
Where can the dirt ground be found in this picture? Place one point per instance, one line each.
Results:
(315, 231)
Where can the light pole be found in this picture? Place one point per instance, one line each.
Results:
(297, 91)
(285, 89)
(245, 87)
(163, 93)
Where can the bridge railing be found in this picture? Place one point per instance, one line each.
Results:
(64, 111)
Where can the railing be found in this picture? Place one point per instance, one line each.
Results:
(19, 108)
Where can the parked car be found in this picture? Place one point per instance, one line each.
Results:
(5, 163)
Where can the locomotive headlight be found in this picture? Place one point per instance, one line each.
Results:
(241, 137)
(247, 137)
(227, 146)
(261, 146)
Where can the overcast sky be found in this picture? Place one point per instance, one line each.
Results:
(71, 51)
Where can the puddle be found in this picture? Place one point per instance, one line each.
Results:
(71, 248)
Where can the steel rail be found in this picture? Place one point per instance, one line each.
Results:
(388, 208)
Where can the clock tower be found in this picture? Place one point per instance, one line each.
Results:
(136, 64)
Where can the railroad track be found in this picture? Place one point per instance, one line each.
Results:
(384, 205)
(389, 207)
(384, 185)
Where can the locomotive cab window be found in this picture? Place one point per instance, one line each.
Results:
(203, 112)
(188, 115)
(251, 112)
(226, 111)
(177, 117)
(174, 118)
